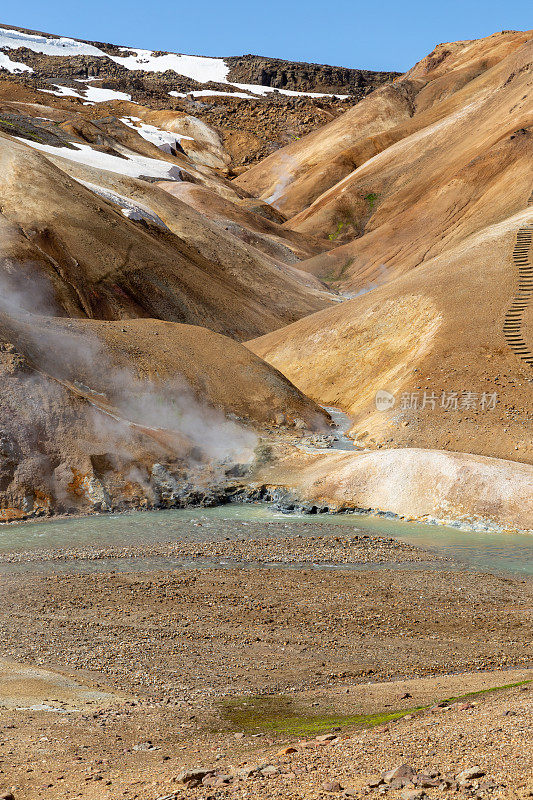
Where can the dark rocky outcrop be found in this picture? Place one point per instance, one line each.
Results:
(303, 77)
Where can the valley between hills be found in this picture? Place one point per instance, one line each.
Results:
(266, 371)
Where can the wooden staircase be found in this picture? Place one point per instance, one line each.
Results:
(512, 327)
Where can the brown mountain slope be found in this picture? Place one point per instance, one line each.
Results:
(434, 338)
(98, 127)
(296, 175)
(436, 186)
(106, 266)
(107, 414)
(247, 225)
(283, 178)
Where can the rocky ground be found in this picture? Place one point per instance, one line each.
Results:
(237, 671)
(251, 127)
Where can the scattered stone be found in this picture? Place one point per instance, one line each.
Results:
(399, 783)
(401, 771)
(331, 786)
(469, 774)
(247, 772)
(269, 770)
(217, 780)
(327, 737)
(194, 776)
(426, 782)
(413, 794)
(287, 751)
(143, 747)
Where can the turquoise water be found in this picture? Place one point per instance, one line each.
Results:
(487, 552)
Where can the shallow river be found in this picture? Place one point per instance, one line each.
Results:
(508, 552)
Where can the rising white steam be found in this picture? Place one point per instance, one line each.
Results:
(284, 173)
(125, 404)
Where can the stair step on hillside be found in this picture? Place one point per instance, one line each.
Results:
(512, 326)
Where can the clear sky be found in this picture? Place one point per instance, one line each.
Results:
(376, 34)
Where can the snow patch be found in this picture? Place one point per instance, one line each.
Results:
(96, 95)
(264, 90)
(46, 44)
(256, 90)
(12, 66)
(91, 94)
(199, 68)
(133, 165)
(62, 91)
(165, 140)
(130, 209)
(213, 93)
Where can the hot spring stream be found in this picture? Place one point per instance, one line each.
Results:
(485, 552)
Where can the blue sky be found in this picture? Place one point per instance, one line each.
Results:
(372, 35)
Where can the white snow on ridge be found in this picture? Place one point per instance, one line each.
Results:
(257, 91)
(134, 165)
(212, 93)
(263, 90)
(12, 66)
(46, 44)
(200, 68)
(62, 91)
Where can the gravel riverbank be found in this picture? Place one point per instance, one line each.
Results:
(226, 668)
(246, 541)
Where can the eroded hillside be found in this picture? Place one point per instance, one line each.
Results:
(387, 251)
(434, 220)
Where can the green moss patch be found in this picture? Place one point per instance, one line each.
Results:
(371, 199)
(479, 692)
(283, 715)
